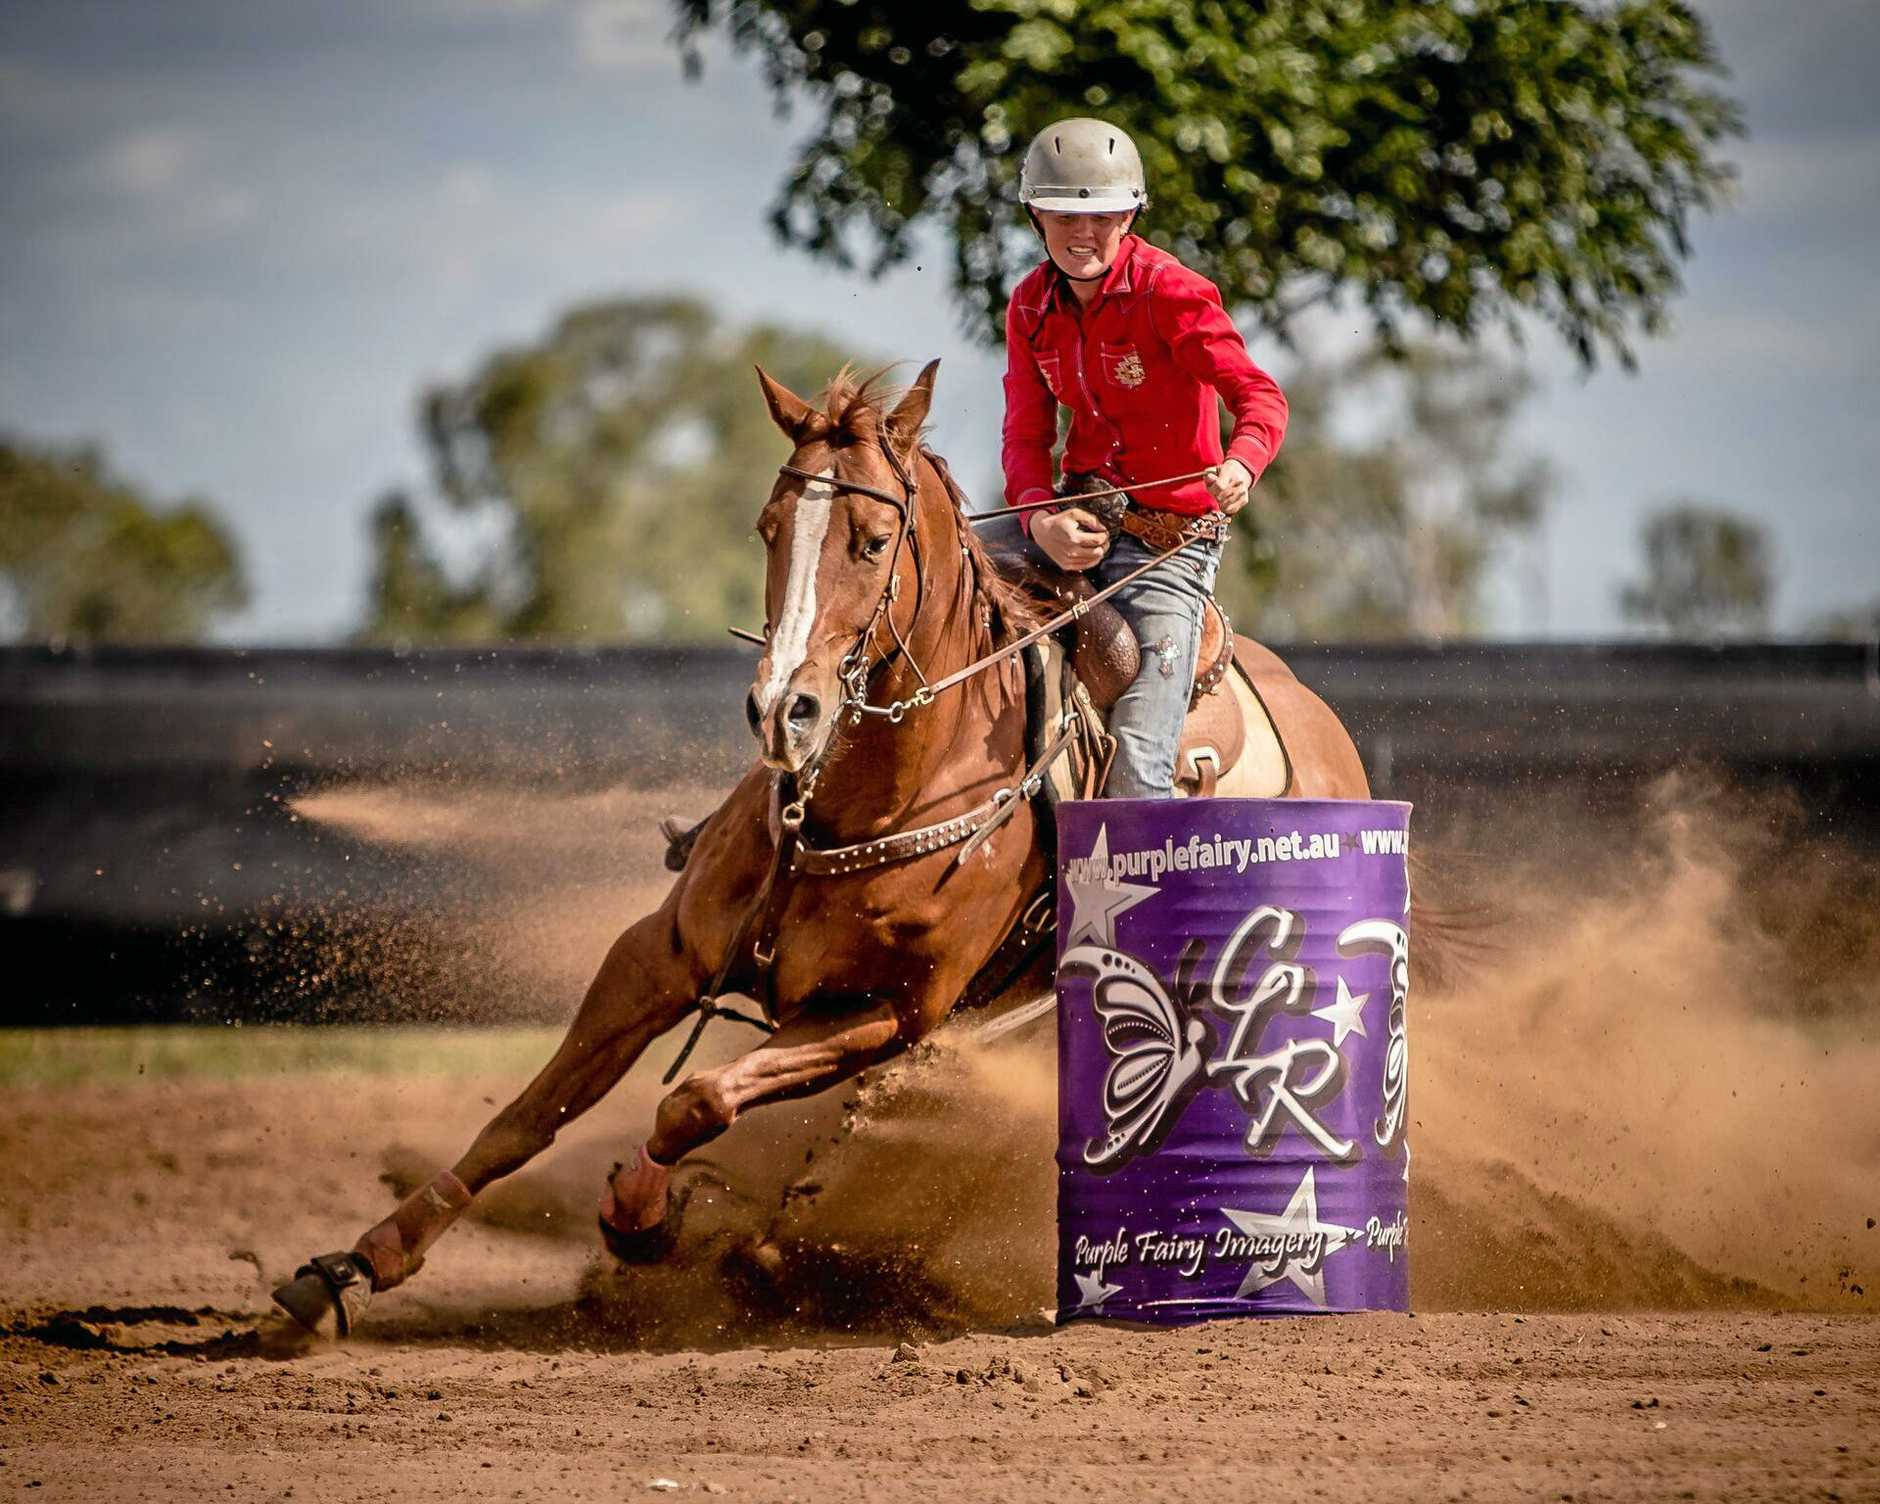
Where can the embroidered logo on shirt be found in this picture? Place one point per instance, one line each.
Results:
(1129, 370)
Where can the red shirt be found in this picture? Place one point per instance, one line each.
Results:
(1139, 368)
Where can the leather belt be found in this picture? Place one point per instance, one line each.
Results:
(1121, 512)
(1165, 530)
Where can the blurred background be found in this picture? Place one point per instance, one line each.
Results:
(379, 448)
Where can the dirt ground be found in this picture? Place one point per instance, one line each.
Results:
(1375, 1407)
(137, 1362)
(1644, 1251)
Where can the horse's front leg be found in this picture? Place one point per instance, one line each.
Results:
(643, 987)
(805, 1056)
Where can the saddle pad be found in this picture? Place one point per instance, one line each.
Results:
(1263, 771)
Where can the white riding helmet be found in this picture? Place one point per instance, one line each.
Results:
(1082, 166)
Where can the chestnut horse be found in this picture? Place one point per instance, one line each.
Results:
(875, 588)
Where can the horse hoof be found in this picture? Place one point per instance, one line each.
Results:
(329, 1295)
(638, 1221)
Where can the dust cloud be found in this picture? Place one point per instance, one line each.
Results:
(509, 900)
(1657, 1087)
(1652, 1087)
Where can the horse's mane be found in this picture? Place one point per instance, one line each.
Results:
(853, 409)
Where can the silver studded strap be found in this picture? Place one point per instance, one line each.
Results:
(829, 861)
(979, 821)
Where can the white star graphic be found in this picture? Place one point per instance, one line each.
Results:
(1097, 901)
(1300, 1221)
(1346, 1015)
(1092, 1291)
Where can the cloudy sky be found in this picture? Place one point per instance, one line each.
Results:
(236, 236)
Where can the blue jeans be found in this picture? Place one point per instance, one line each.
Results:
(1165, 608)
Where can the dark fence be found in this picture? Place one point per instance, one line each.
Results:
(142, 792)
(1485, 709)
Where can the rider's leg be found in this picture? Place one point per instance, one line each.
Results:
(1165, 608)
(805, 1056)
(641, 990)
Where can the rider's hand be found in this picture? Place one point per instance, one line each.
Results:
(1073, 538)
(1229, 484)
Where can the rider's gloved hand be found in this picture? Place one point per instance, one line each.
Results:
(1073, 538)
(1229, 483)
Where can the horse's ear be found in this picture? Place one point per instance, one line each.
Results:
(787, 410)
(904, 423)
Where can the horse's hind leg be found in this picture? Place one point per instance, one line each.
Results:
(641, 990)
(805, 1056)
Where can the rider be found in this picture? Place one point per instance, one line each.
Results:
(1139, 348)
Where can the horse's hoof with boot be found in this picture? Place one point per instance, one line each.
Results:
(328, 1294)
(638, 1221)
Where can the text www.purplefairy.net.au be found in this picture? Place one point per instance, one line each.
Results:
(1232, 853)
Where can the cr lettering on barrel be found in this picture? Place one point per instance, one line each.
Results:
(1288, 1083)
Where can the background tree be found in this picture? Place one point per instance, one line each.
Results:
(1462, 160)
(84, 557)
(1849, 624)
(1390, 535)
(612, 471)
(1707, 573)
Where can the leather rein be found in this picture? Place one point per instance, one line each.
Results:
(856, 671)
(790, 853)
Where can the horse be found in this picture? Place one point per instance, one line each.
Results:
(829, 885)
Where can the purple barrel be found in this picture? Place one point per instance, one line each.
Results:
(1232, 1065)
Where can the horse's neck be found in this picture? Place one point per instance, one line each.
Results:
(888, 773)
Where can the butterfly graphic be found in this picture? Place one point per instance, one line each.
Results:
(1157, 1044)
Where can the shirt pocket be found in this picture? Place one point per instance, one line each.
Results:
(1051, 367)
(1124, 375)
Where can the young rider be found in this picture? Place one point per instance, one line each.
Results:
(1139, 348)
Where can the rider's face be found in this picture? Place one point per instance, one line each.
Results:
(1084, 245)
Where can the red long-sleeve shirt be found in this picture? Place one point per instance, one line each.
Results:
(1139, 368)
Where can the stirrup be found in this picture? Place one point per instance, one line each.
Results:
(328, 1294)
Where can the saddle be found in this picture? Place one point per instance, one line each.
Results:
(1105, 658)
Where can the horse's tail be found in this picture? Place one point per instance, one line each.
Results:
(1452, 928)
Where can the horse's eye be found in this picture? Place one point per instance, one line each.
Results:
(874, 548)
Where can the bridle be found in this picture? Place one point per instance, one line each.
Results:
(758, 926)
(967, 832)
(857, 670)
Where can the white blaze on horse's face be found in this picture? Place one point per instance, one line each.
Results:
(791, 704)
(790, 641)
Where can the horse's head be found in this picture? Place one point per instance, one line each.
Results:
(839, 558)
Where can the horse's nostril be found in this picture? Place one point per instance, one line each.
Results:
(753, 714)
(802, 711)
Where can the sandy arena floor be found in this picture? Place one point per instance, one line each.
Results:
(1644, 1250)
(137, 1364)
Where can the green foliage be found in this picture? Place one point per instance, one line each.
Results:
(85, 558)
(141, 1055)
(1707, 573)
(1849, 624)
(1390, 536)
(613, 470)
(1459, 160)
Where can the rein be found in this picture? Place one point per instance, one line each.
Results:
(1061, 501)
(789, 851)
(855, 703)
